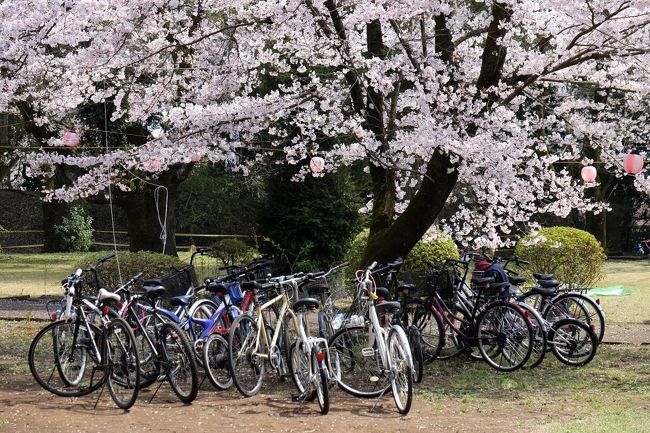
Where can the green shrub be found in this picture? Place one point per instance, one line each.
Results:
(151, 264)
(574, 256)
(431, 249)
(75, 231)
(233, 251)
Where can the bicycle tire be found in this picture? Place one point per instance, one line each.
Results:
(149, 363)
(504, 333)
(123, 378)
(593, 313)
(181, 365)
(359, 375)
(44, 360)
(322, 390)
(417, 353)
(402, 382)
(299, 369)
(540, 344)
(247, 371)
(570, 338)
(432, 330)
(215, 361)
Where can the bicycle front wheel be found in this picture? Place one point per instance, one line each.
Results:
(246, 367)
(402, 382)
(361, 372)
(505, 337)
(63, 359)
(180, 362)
(122, 362)
(215, 361)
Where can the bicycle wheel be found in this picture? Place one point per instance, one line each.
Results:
(143, 331)
(246, 367)
(215, 361)
(180, 362)
(402, 382)
(300, 371)
(321, 380)
(361, 372)
(583, 308)
(573, 342)
(539, 335)
(431, 328)
(66, 364)
(455, 343)
(123, 377)
(505, 336)
(415, 342)
(200, 312)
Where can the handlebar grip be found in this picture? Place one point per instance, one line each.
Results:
(372, 266)
(102, 260)
(137, 276)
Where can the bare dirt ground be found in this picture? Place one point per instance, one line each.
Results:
(24, 407)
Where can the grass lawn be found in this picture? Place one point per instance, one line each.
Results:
(39, 274)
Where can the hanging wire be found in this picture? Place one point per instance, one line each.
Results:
(110, 194)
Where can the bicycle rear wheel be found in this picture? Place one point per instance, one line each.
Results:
(573, 342)
(505, 336)
(417, 353)
(180, 362)
(246, 367)
(123, 377)
(361, 372)
(63, 361)
(432, 330)
(583, 308)
(321, 382)
(299, 368)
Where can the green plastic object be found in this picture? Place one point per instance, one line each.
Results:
(609, 291)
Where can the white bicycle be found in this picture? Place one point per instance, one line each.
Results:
(374, 355)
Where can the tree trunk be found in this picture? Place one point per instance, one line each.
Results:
(145, 216)
(53, 214)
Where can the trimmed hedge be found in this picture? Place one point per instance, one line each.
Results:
(153, 265)
(425, 251)
(574, 256)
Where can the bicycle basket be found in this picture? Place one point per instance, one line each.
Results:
(179, 282)
(235, 293)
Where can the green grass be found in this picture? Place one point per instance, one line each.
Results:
(15, 338)
(612, 419)
(634, 275)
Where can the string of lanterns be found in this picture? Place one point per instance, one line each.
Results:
(633, 164)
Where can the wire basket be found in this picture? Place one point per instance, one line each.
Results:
(179, 281)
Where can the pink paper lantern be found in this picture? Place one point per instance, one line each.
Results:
(196, 157)
(317, 164)
(71, 139)
(588, 173)
(633, 163)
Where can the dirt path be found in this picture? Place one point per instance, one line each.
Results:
(24, 407)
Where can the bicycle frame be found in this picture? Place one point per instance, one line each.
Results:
(261, 326)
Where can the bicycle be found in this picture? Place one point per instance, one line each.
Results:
(501, 330)
(168, 353)
(65, 356)
(249, 346)
(373, 358)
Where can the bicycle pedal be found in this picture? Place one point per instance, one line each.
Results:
(368, 352)
(374, 379)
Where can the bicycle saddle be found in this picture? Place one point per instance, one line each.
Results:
(382, 292)
(548, 283)
(387, 307)
(253, 286)
(216, 288)
(177, 301)
(543, 276)
(482, 281)
(318, 288)
(517, 280)
(499, 286)
(544, 291)
(154, 292)
(405, 287)
(305, 304)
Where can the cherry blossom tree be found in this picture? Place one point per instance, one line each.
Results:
(476, 106)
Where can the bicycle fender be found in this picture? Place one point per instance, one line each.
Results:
(405, 343)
